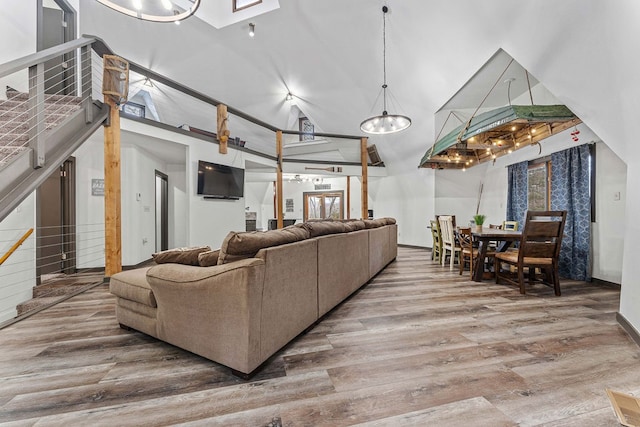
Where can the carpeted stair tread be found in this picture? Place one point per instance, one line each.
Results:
(35, 303)
(58, 99)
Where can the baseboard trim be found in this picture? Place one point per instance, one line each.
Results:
(413, 246)
(606, 283)
(628, 327)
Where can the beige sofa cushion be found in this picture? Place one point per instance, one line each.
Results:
(132, 285)
(374, 223)
(240, 245)
(322, 228)
(188, 256)
(354, 225)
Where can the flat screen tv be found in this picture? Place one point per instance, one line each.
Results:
(217, 181)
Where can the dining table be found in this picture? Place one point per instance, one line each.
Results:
(504, 238)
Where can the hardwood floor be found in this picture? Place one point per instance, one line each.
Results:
(419, 345)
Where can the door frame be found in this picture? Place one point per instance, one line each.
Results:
(306, 194)
(164, 212)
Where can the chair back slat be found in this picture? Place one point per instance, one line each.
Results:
(446, 229)
(542, 234)
(465, 238)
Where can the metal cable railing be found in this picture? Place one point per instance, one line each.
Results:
(19, 119)
(48, 260)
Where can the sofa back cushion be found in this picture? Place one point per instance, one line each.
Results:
(240, 245)
(322, 228)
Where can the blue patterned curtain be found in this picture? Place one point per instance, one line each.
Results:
(517, 193)
(570, 176)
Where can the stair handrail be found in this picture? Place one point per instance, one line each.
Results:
(15, 246)
(27, 61)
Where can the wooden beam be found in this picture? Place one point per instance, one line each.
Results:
(279, 179)
(112, 193)
(223, 131)
(348, 197)
(365, 184)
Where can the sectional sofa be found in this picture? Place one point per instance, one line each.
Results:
(242, 303)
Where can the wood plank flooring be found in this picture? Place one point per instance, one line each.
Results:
(419, 345)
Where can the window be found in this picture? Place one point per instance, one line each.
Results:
(307, 128)
(323, 205)
(539, 186)
(133, 109)
(243, 4)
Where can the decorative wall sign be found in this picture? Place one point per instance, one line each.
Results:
(289, 205)
(97, 187)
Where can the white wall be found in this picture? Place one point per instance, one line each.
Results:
(18, 272)
(410, 199)
(138, 202)
(607, 232)
(178, 200)
(18, 38)
(89, 209)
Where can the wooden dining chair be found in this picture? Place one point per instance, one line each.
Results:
(468, 251)
(448, 239)
(510, 225)
(539, 248)
(436, 251)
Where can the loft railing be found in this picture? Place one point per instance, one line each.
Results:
(58, 81)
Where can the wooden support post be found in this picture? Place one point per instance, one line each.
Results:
(223, 131)
(365, 184)
(279, 179)
(112, 192)
(348, 197)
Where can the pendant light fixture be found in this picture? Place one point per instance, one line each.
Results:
(385, 123)
(154, 10)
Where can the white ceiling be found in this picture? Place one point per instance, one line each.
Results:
(328, 53)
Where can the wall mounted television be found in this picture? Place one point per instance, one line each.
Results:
(217, 181)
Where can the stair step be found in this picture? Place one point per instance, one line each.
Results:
(49, 109)
(35, 303)
(58, 99)
(9, 141)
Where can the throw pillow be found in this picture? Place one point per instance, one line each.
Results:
(188, 256)
(240, 245)
(209, 258)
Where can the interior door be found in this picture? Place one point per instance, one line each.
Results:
(56, 222)
(57, 26)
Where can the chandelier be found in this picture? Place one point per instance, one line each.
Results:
(385, 123)
(154, 10)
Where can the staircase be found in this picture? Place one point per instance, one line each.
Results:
(39, 131)
(14, 120)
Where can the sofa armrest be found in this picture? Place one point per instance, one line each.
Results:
(212, 311)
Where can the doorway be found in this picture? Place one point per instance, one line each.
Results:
(162, 211)
(56, 222)
(323, 205)
(56, 23)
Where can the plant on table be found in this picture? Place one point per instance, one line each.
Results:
(478, 220)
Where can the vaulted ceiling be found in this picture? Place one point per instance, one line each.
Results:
(328, 54)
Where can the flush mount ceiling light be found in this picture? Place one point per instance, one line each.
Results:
(385, 123)
(154, 10)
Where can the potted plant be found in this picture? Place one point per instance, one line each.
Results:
(478, 220)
